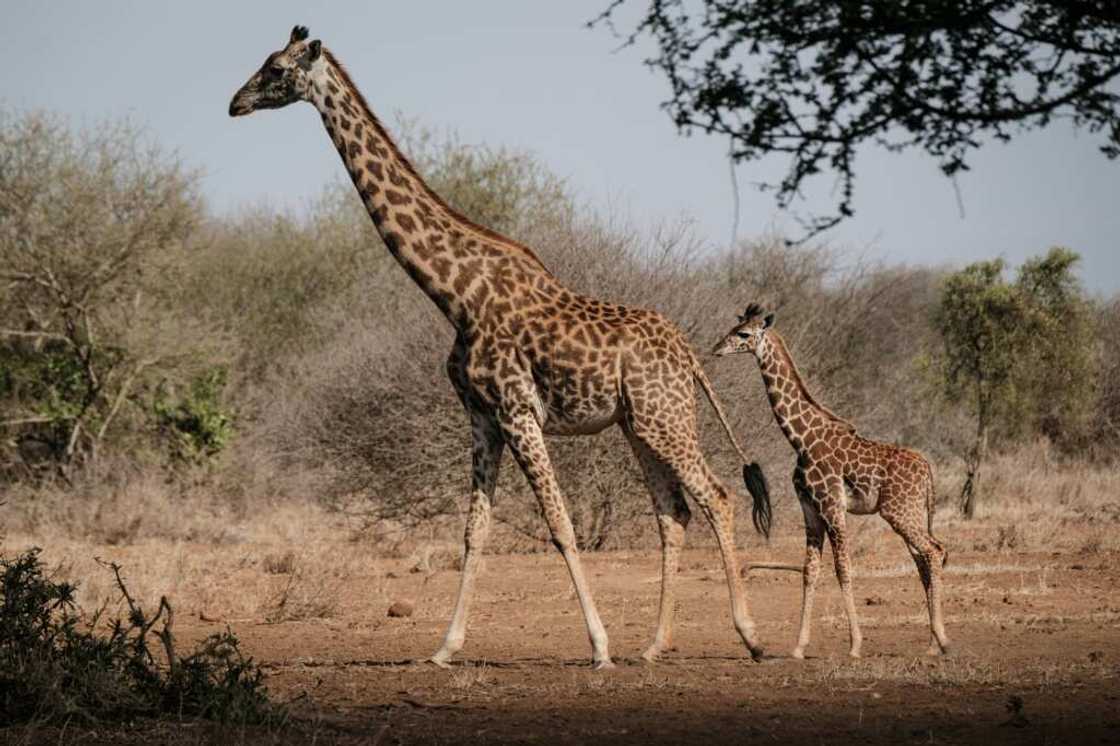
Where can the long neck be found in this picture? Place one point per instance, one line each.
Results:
(795, 409)
(447, 255)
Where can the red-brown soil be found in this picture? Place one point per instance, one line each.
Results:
(1044, 628)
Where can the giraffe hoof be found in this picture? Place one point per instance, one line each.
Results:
(854, 654)
(936, 650)
(757, 653)
(440, 660)
(604, 665)
(652, 654)
(798, 654)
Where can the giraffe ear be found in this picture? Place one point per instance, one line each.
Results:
(768, 321)
(314, 49)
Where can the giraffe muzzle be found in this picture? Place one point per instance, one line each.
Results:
(721, 349)
(246, 100)
(240, 105)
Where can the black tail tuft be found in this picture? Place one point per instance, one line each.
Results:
(760, 493)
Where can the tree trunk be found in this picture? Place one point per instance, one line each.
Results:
(972, 473)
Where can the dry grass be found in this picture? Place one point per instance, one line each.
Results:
(290, 560)
(287, 563)
(956, 672)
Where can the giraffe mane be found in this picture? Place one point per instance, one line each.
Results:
(411, 170)
(781, 345)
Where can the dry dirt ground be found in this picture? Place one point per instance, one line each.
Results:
(1038, 628)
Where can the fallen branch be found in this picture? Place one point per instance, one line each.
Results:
(771, 566)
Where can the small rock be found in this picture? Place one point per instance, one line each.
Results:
(401, 609)
(874, 601)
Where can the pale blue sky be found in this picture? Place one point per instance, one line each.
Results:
(530, 76)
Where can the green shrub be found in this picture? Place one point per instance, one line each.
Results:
(55, 668)
(197, 425)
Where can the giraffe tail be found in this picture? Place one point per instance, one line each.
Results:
(752, 473)
(761, 515)
(702, 378)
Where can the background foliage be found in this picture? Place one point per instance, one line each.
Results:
(271, 354)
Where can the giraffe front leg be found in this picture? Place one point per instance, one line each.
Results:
(486, 458)
(523, 434)
(814, 543)
(833, 514)
(673, 517)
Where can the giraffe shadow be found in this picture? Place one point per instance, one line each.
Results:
(529, 662)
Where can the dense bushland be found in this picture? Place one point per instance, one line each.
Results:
(233, 359)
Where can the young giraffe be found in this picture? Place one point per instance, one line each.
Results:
(530, 356)
(839, 470)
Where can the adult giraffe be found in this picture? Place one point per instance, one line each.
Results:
(530, 356)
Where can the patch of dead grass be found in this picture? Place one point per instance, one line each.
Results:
(957, 671)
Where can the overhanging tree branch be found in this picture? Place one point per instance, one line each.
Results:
(814, 79)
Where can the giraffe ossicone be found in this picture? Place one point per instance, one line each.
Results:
(531, 357)
(838, 472)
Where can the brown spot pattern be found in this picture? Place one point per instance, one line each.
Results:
(839, 471)
(533, 357)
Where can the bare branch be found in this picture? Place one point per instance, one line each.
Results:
(122, 394)
(35, 335)
(813, 80)
(36, 420)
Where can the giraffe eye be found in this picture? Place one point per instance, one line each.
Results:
(744, 335)
(276, 71)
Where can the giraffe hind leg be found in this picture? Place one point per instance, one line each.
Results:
(673, 516)
(929, 556)
(680, 453)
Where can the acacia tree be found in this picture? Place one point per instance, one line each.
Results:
(1021, 354)
(816, 79)
(1106, 415)
(1060, 371)
(980, 319)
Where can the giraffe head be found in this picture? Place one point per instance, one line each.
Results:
(285, 76)
(748, 334)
